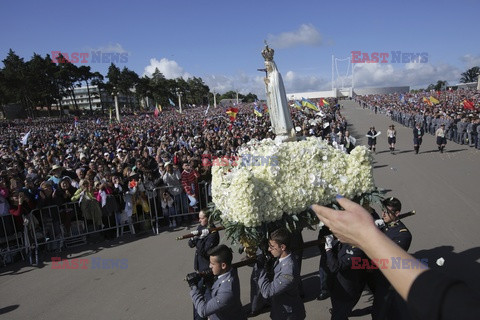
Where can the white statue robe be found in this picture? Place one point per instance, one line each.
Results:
(277, 101)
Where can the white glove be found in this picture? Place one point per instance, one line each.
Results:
(329, 242)
(205, 233)
(380, 223)
(195, 232)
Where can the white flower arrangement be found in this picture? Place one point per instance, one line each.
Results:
(286, 178)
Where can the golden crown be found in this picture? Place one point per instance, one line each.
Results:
(267, 53)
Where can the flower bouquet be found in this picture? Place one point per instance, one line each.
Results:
(274, 183)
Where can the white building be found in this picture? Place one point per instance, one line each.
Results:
(97, 99)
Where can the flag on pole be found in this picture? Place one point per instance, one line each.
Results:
(257, 111)
(324, 102)
(297, 105)
(206, 111)
(309, 104)
(433, 100)
(171, 102)
(157, 110)
(25, 138)
(427, 101)
(232, 113)
(467, 104)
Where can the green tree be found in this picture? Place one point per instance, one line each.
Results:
(15, 87)
(250, 97)
(97, 80)
(439, 86)
(471, 75)
(68, 77)
(198, 91)
(85, 74)
(128, 81)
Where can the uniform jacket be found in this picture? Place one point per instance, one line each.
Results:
(339, 262)
(225, 299)
(399, 234)
(418, 133)
(201, 261)
(283, 290)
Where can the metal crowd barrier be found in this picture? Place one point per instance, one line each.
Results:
(56, 227)
(13, 238)
(181, 209)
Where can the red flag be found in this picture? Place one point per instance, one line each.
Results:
(156, 112)
(467, 104)
(232, 113)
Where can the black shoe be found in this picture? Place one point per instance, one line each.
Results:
(323, 295)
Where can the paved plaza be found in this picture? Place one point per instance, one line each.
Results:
(442, 188)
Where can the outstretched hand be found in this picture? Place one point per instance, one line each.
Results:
(352, 225)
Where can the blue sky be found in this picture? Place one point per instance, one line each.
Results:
(220, 41)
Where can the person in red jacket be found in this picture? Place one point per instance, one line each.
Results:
(189, 183)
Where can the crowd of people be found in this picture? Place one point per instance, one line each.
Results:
(455, 112)
(45, 162)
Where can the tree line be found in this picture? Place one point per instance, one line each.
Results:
(41, 82)
(470, 75)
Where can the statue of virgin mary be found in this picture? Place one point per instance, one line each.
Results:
(276, 97)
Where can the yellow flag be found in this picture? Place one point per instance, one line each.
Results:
(433, 100)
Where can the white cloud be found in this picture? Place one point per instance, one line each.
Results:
(116, 48)
(307, 34)
(411, 74)
(169, 68)
(471, 60)
(304, 83)
(242, 82)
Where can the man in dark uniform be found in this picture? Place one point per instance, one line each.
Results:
(203, 241)
(387, 304)
(417, 137)
(224, 301)
(347, 282)
(323, 272)
(284, 288)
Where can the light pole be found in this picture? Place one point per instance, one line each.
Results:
(179, 94)
(214, 99)
(237, 96)
(115, 97)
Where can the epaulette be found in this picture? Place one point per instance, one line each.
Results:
(402, 230)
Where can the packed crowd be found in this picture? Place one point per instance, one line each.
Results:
(457, 110)
(47, 162)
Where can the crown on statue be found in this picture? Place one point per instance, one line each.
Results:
(267, 53)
